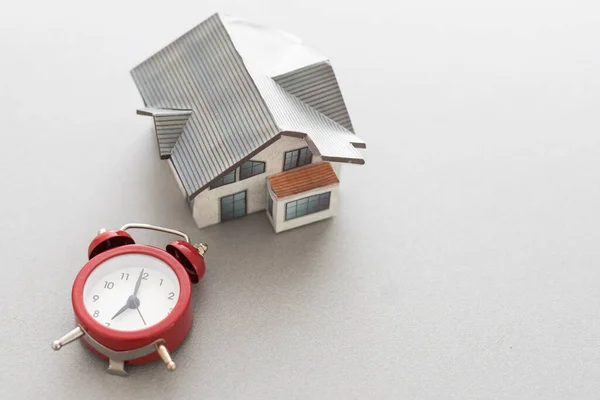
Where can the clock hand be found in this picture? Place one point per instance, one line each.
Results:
(139, 312)
(132, 302)
(137, 284)
(121, 311)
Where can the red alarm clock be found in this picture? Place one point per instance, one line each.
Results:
(132, 302)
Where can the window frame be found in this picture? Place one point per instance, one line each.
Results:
(264, 164)
(318, 196)
(270, 205)
(222, 179)
(297, 159)
(233, 202)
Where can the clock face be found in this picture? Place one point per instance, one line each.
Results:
(110, 294)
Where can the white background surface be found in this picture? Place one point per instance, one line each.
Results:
(463, 264)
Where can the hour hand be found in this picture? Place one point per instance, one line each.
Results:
(137, 284)
(121, 311)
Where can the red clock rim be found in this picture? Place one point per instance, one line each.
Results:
(98, 330)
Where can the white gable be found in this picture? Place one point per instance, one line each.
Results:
(272, 51)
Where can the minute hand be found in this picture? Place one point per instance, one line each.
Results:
(137, 284)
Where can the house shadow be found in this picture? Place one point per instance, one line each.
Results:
(248, 252)
(242, 249)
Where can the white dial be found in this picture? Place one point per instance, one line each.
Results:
(110, 294)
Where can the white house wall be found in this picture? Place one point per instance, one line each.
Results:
(179, 185)
(278, 218)
(206, 206)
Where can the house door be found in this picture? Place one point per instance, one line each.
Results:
(233, 206)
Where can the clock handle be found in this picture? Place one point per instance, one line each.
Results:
(155, 228)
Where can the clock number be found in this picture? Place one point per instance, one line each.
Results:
(145, 276)
(109, 285)
(124, 276)
(171, 295)
(170, 309)
(161, 281)
(95, 297)
(107, 323)
(96, 314)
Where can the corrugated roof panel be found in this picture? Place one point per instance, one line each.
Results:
(317, 86)
(203, 71)
(168, 130)
(168, 125)
(331, 140)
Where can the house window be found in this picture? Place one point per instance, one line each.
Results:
(251, 168)
(224, 180)
(307, 205)
(233, 206)
(297, 158)
(270, 205)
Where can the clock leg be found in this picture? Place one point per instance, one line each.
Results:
(116, 367)
(68, 338)
(166, 357)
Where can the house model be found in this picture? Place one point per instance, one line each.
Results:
(250, 119)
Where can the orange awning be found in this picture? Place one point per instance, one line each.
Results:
(303, 179)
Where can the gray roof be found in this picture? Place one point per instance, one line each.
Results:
(236, 108)
(168, 125)
(317, 86)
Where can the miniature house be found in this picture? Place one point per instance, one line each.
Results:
(250, 119)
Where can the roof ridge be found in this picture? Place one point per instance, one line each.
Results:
(322, 62)
(250, 71)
